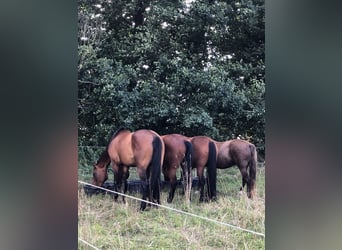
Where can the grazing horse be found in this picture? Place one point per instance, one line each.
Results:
(178, 152)
(243, 154)
(143, 149)
(204, 155)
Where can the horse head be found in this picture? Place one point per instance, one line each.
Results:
(100, 174)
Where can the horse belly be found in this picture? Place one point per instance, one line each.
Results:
(128, 160)
(224, 162)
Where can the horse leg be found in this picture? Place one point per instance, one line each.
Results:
(125, 182)
(187, 181)
(201, 182)
(243, 184)
(173, 185)
(208, 193)
(145, 187)
(145, 191)
(165, 173)
(116, 171)
(181, 180)
(156, 194)
(119, 179)
(124, 177)
(171, 174)
(245, 179)
(116, 180)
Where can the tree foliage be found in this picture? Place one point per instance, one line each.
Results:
(195, 68)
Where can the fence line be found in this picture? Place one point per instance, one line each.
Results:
(87, 243)
(177, 210)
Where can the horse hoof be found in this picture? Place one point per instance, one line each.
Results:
(250, 196)
(214, 199)
(142, 207)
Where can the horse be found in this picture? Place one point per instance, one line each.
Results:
(242, 154)
(204, 155)
(178, 152)
(143, 149)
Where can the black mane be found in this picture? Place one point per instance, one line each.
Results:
(116, 133)
(103, 158)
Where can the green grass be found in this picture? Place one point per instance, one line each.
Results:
(112, 225)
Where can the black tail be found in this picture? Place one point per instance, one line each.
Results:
(211, 171)
(252, 170)
(155, 168)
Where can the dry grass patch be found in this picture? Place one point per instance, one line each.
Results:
(110, 225)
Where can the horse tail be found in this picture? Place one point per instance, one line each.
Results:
(211, 170)
(155, 168)
(252, 170)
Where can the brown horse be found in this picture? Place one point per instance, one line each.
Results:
(243, 154)
(204, 155)
(178, 152)
(143, 149)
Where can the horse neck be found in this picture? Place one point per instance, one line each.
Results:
(103, 163)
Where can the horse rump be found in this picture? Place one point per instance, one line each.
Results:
(151, 187)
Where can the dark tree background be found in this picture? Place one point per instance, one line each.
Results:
(189, 67)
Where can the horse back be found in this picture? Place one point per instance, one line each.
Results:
(234, 152)
(242, 148)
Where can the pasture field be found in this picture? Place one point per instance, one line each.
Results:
(113, 225)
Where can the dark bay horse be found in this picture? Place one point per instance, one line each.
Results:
(242, 154)
(178, 152)
(204, 155)
(143, 149)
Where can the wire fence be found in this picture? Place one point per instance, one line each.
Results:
(87, 243)
(177, 210)
(88, 155)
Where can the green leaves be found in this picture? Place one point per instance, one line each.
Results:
(171, 68)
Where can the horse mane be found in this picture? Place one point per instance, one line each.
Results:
(103, 157)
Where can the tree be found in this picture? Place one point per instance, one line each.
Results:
(172, 67)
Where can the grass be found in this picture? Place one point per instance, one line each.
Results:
(113, 225)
